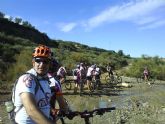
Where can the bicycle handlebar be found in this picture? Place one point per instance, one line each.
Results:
(86, 114)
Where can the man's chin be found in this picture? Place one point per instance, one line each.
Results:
(41, 72)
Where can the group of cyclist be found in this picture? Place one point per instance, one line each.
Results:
(83, 75)
(39, 107)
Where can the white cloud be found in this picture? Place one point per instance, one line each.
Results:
(46, 22)
(154, 25)
(7, 16)
(139, 12)
(67, 27)
(144, 13)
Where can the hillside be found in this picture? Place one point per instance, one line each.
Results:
(17, 42)
(14, 29)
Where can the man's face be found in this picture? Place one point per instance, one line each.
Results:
(41, 65)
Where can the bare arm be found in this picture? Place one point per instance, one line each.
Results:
(62, 102)
(32, 109)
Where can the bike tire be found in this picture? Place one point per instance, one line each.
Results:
(139, 79)
(82, 85)
(119, 79)
(107, 79)
(152, 80)
(92, 86)
(68, 85)
(98, 84)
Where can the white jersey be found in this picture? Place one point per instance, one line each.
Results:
(90, 71)
(97, 71)
(61, 71)
(54, 83)
(27, 84)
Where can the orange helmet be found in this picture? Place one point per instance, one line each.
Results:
(42, 51)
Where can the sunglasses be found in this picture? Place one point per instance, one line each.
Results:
(44, 61)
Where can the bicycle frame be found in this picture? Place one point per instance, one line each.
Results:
(141, 79)
(113, 79)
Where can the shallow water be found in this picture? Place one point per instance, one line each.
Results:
(138, 90)
(120, 98)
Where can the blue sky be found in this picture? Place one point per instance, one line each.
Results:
(135, 26)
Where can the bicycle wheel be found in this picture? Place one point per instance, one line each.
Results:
(82, 85)
(92, 86)
(68, 85)
(119, 79)
(98, 84)
(152, 80)
(139, 79)
(107, 79)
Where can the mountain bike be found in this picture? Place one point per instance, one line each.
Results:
(68, 84)
(95, 84)
(151, 79)
(113, 79)
(86, 115)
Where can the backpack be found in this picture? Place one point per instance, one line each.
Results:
(10, 104)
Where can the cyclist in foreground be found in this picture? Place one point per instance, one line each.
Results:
(31, 107)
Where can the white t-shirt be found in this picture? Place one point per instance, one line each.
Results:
(61, 71)
(54, 83)
(97, 71)
(27, 84)
(90, 71)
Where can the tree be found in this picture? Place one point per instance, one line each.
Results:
(25, 23)
(18, 20)
(10, 18)
(2, 15)
(120, 53)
